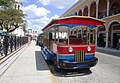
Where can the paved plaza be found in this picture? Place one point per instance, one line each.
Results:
(107, 70)
(29, 67)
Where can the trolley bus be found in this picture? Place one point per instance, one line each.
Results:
(70, 42)
(40, 39)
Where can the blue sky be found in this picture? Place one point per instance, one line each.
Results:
(40, 12)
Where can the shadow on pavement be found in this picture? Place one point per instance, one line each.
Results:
(40, 62)
(68, 73)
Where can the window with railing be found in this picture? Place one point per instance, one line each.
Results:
(115, 9)
(103, 13)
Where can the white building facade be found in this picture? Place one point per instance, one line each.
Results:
(20, 30)
(33, 33)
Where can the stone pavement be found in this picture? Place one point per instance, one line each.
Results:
(108, 51)
(29, 67)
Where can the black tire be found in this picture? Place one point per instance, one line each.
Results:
(87, 69)
(56, 68)
(55, 64)
(49, 61)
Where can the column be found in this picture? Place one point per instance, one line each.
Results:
(82, 12)
(96, 36)
(89, 10)
(112, 36)
(108, 4)
(55, 35)
(58, 35)
(68, 35)
(97, 10)
(106, 46)
(61, 35)
(82, 33)
(77, 33)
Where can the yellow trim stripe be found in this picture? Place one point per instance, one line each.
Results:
(52, 77)
(80, 17)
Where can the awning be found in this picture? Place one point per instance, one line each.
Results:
(1, 33)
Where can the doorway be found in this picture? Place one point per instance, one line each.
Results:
(116, 37)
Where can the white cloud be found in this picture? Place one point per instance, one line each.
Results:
(40, 23)
(60, 4)
(54, 17)
(35, 11)
(37, 16)
(25, 1)
(44, 2)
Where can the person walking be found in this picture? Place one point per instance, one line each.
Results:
(5, 45)
(1, 46)
(15, 42)
(1, 49)
(118, 45)
(11, 43)
(29, 41)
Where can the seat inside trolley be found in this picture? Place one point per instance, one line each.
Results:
(75, 36)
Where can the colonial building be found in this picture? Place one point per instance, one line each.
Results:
(33, 33)
(108, 10)
(18, 5)
(20, 30)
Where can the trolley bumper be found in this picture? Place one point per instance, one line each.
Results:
(75, 65)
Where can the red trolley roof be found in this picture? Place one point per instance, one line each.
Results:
(76, 20)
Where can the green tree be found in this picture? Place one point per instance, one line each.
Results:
(7, 3)
(3, 2)
(11, 19)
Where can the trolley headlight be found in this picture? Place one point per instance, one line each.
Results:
(89, 48)
(70, 49)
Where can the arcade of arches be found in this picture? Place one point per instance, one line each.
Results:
(113, 32)
(104, 9)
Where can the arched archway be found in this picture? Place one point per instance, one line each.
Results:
(102, 8)
(113, 34)
(86, 11)
(93, 9)
(80, 12)
(114, 7)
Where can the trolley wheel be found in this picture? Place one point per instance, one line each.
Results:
(55, 66)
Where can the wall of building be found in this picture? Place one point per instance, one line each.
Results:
(102, 9)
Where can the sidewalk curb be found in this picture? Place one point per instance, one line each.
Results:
(51, 75)
(10, 54)
(7, 62)
(108, 51)
(52, 78)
